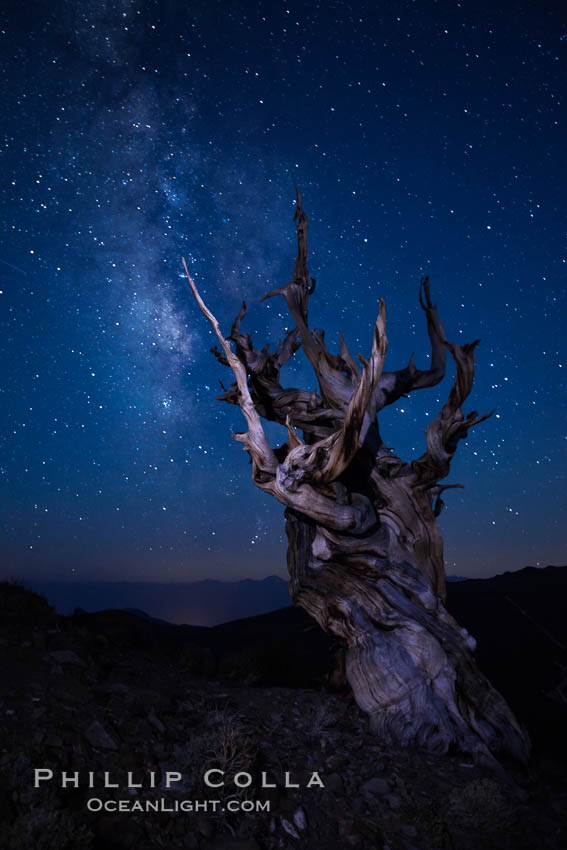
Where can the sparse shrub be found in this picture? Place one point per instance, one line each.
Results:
(224, 740)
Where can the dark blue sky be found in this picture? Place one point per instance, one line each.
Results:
(426, 138)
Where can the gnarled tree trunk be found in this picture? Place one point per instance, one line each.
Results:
(365, 552)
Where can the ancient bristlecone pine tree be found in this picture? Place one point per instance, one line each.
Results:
(365, 553)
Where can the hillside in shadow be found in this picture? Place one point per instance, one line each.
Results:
(116, 691)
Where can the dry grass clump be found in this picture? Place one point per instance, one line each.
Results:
(224, 740)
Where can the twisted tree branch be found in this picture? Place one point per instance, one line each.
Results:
(450, 425)
(291, 481)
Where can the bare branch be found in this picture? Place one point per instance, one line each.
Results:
(450, 424)
(220, 356)
(360, 407)
(292, 436)
(436, 491)
(287, 482)
(336, 376)
(348, 358)
(394, 385)
(322, 462)
(287, 348)
(263, 458)
(271, 399)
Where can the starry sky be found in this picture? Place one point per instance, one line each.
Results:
(426, 138)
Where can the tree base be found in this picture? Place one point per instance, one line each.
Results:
(409, 664)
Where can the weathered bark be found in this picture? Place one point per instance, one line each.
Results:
(365, 552)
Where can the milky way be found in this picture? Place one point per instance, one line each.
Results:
(426, 138)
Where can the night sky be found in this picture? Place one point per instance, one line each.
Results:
(426, 138)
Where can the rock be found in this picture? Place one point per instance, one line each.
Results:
(66, 656)
(336, 761)
(300, 819)
(289, 828)
(98, 737)
(138, 728)
(345, 826)
(156, 722)
(334, 783)
(409, 829)
(119, 833)
(7, 809)
(73, 691)
(288, 807)
(376, 785)
(118, 688)
(152, 700)
(53, 740)
(204, 826)
(271, 795)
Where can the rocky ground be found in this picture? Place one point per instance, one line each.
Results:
(114, 692)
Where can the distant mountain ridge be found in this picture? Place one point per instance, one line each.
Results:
(517, 579)
(212, 602)
(200, 603)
